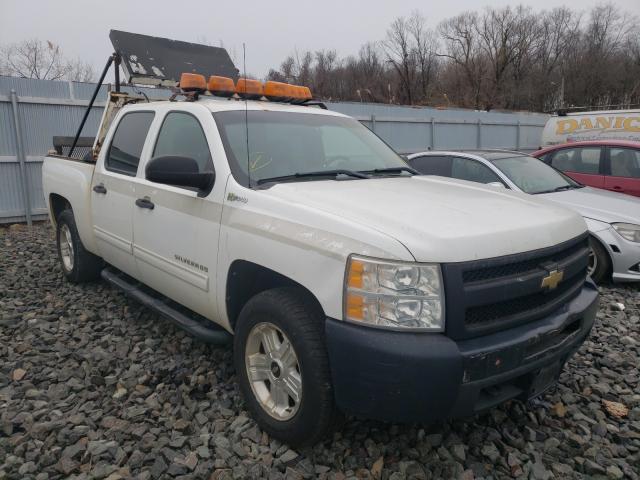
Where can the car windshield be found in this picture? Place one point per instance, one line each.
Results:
(290, 144)
(534, 176)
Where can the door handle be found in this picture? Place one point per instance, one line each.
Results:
(100, 188)
(145, 203)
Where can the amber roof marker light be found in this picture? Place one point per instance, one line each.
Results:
(192, 82)
(221, 86)
(250, 89)
(301, 94)
(278, 91)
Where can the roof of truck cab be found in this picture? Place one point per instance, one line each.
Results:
(219, 104)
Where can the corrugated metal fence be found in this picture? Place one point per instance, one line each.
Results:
(44, 109)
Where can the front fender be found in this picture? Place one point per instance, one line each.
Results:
(305, 245)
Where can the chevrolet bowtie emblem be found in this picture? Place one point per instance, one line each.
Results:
(552, 280)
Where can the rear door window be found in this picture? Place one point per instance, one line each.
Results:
(625, 162)
(127, 143)
(432, 165)
(577, 159)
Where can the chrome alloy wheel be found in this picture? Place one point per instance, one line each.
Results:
(273, 371)
(66, 247)
(593, 262)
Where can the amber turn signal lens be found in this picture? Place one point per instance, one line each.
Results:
(355, 306)
(221, 86)
(190, 82)
(278, 91)
(354, 276)
(248, 88)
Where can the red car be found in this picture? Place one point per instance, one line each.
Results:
(610, 164)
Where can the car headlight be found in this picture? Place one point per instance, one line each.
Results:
(393, 294)
(628, 231)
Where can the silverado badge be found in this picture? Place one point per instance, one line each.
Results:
(552, 280)
(232, 197)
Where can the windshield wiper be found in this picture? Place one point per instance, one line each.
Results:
(322, 173)
(561, 189)
(391, 170)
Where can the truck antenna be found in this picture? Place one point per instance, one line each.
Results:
(246, 112)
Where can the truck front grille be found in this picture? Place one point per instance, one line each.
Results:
(486, 296)
(521, 267)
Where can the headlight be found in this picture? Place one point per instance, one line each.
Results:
(392, 294)
(628, 231)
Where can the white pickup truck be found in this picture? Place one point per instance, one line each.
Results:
(349, 283)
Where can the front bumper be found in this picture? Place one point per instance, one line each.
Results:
(423, 377)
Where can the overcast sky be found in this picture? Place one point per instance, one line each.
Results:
(271, 30)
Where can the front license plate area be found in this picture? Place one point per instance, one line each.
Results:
(544, 379)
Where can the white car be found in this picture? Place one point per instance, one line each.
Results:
(349, 283)
(613, 218)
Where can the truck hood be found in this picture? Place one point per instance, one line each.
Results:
(602, 205)
(438, 219)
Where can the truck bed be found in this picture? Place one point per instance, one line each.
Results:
(70, 178)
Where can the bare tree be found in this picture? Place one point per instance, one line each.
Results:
(425, 46)
(365, 77)
(34, 59)
(506, 36)
(79, 71)
(397, 47)
(603, 39)
(462, 47)
(558, 33)
(43, 60)
(325, 80)
(508, 57)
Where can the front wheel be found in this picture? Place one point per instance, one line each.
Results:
(599, 261)
(78, 264)
(282, 366)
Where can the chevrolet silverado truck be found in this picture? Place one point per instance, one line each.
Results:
(347, 282)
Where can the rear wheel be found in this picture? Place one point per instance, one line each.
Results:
(283, 367)
(78, 264)
(599, 261)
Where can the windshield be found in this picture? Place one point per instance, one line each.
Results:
(534, 176)
(285, 144)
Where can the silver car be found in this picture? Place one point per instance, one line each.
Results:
(613, 218)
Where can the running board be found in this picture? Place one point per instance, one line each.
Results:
(208, 334)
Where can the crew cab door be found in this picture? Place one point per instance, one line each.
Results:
(176, 231)
(113, 189)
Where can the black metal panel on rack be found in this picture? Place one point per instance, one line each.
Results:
(160, 61)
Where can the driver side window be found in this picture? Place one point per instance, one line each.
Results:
(181, 135)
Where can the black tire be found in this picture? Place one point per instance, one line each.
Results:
(602, 260)
(85, 266)
(302, 321)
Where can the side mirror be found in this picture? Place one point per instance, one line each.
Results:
(496, 184)
(180, 172)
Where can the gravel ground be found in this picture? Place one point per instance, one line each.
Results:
(95, 386)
